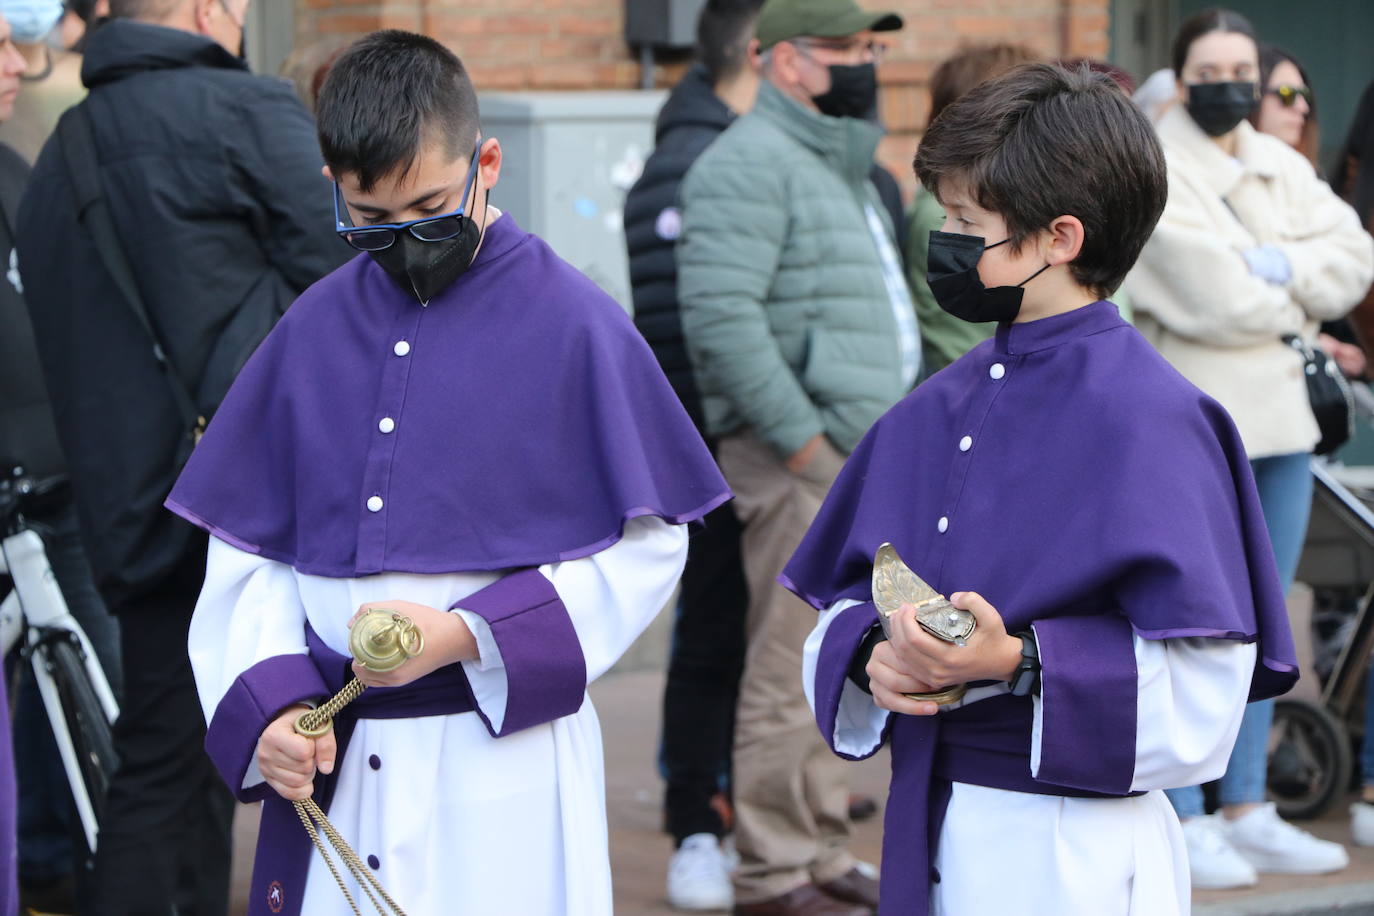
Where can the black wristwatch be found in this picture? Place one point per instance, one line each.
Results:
(858, 666)
(1026, 681)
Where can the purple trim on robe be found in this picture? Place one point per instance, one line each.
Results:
(281, 863)
(256, 697)
(1088, 689)
(841, 642)
(9, 846)
(178, 509)
(530, 421)
(546, 673)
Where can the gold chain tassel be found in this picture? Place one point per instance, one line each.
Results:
(370, 633)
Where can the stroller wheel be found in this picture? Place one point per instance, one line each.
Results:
(1309, 759)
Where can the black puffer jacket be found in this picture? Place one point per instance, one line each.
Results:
(692, 117)
(213, 180)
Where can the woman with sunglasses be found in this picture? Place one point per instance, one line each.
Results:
(1253, 248)
(1287, 108)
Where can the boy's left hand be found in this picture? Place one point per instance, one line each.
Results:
(991, 654)
(447, 640)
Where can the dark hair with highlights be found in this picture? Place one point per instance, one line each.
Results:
(1042, 142)
(723, 34)
(385, 97)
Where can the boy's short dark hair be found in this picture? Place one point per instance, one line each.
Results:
(385, 97)
(723, 33)
(1041, 142)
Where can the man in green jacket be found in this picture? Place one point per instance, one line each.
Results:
(801, 332)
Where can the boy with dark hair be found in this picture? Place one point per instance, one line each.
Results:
(459, 428)
(1102, 508)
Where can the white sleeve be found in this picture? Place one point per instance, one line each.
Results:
(1188, 709)
(248, 611)
(610, 598)
(1189, 702)
(859, 722)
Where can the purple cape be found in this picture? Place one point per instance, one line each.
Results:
(1096, 480)
(518, 419)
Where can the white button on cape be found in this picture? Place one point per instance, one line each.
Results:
(374, 504)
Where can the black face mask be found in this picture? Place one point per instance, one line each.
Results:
(425, 269)
(952, 273)
(853, 91)
(1218, 107)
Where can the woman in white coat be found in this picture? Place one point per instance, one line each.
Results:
(1253, 247)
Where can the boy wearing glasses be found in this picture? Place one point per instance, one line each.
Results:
(1090, 509)
(460, 428)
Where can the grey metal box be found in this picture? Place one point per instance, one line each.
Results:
(569, 159)
(662, 23)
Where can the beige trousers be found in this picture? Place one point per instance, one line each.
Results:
(791, 792)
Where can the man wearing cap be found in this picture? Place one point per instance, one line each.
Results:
(802, 333)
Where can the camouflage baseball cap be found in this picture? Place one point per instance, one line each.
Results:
(781, 20)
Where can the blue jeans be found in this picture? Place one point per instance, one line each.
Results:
(1284, 483)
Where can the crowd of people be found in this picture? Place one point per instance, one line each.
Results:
(294, 365)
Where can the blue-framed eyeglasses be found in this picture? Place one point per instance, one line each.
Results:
(428, 229)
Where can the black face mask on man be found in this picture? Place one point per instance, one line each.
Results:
(853, 91)
(952, 273)
(1218, 107)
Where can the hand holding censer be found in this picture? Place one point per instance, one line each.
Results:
(895, 586)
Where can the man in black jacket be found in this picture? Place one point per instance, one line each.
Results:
(212, 182)
(708, 637)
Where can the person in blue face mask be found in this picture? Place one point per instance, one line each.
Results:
(1254, 250)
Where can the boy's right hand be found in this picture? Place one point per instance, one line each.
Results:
(288, 760)
(890, 682)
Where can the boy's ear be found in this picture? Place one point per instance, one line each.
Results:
(1066, 237)
(327, 173)
(489, 162)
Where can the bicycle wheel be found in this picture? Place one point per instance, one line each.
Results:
(90, 731)
(1310, 760)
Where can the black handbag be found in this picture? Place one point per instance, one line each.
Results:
(1333, 404)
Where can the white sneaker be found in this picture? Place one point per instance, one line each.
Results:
(699, 875)
(1362, 823)
(1275, 846)
(1212, 862)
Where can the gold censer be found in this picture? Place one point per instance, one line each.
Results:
(895, 586)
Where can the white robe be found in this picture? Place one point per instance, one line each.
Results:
(458, 821)
(1015, 852)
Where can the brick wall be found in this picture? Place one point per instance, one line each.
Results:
(578, 44)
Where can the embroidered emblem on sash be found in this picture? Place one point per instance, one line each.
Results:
(276, 897)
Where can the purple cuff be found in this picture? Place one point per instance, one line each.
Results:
(842, 639)
(254, 699)
(1088, 696)
(546, 674)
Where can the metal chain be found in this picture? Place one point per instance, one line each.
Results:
(316, 723)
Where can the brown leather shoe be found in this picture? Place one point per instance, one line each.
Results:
(854, 887)
(806, 900)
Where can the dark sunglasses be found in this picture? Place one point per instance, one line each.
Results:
(428, 229)
(1289, 95)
